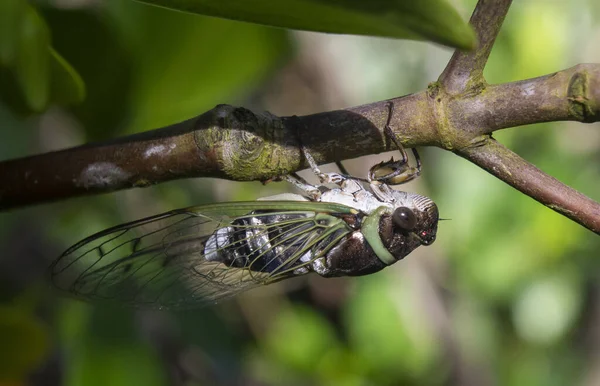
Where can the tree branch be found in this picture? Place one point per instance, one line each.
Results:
(465, 69)
(523, 176)
(236, 144)
(225, 142)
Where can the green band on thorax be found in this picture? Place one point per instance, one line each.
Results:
(370, 230)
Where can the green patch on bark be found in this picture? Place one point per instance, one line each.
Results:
(580, 107)
(248, 146)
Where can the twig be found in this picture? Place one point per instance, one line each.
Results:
(523, 176)
(569, 95)
(465, 69)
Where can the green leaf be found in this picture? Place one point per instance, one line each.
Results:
(67, 87)
(32, 61)
(33, 75)
(97, 52)
(433, 20)
(11, 15)
(185, 64)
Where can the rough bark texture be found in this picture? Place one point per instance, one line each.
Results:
(458, 113)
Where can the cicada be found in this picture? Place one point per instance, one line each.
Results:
(190, 257)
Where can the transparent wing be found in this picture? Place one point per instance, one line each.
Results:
(189, 257)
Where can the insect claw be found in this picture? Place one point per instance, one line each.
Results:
(333, 178)
(395, 172)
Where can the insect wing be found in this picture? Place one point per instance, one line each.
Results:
(190, 257)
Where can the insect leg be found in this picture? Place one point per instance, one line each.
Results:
(310, 190)
(344, 180)
(387, 129)
(391, 135)
(342, 168)
(325, 178)
(395, 172)
(311, 161)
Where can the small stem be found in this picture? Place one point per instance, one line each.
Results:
(465, 70)
(523, 176)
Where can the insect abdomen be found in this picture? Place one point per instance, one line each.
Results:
(259, 243)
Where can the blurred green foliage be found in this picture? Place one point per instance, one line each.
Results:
(507, 295)
(103, 348)
(25, 343)
(32, 74)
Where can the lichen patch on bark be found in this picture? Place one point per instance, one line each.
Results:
(246, 145)
(100, 175)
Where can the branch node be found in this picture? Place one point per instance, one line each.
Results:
(465, 69)
(580, 106)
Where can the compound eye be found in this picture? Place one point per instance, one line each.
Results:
(404, 218)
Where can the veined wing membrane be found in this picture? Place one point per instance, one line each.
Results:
(189, 257)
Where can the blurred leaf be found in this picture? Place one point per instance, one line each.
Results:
(313, 337)
(532, 46)
(186, 64)
(533, 366)
(389, 333)
(544, 43)
(477, 328)
(434, 20)
(595, 8)
(34, 75)
(32, 62)
(12, 95)
(131, 364)
(67, 86)
(24, 342)
(11, 15)
(547, 308)
(98, 53)
(104, 348)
